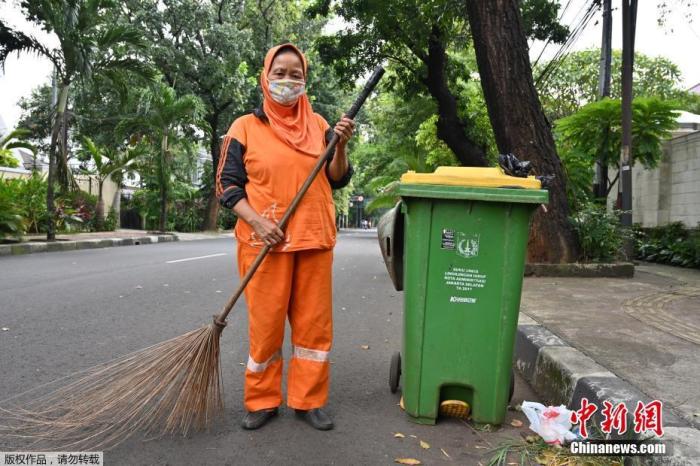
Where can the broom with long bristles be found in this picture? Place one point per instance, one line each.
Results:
(168, 388)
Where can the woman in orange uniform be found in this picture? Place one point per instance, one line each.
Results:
(265, 158)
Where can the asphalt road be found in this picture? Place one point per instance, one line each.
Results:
(67, 311)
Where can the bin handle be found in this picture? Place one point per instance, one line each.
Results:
(388, 246)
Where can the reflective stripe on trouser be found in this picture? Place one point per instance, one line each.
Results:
(296, 285)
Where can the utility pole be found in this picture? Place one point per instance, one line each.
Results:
(629, 22)
(600, 188)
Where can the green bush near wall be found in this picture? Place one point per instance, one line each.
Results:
(673, 244)
(23, 208)
(600, 234)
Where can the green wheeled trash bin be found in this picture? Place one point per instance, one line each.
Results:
(465, 239)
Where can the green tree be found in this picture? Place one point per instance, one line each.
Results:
(214, 50)
(583, 138)
(573, 82)
(108, 163)
(419, 38)
(163, 116)
(88, 46)
(203, 49)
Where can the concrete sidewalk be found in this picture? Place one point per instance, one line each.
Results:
(104, 239)
(620, 340)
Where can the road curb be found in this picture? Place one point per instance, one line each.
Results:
(582, 270)
(92, 243)
(561, 374)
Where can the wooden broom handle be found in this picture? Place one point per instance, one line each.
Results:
(220, 319)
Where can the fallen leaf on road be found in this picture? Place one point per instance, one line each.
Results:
(365, 346)
(241, 364)
(413, 436)
(479, 446)
(424, 445)
(445, 453)
(5, 329)
(516, 423)
(399, 435)
(411, 461)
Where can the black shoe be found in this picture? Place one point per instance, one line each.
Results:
(316, 417)
(256, 419)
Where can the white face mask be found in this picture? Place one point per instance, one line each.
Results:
(286, 91)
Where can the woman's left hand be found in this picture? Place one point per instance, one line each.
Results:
(344, 129)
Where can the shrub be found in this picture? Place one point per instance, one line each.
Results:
(7, 159)
(32, 196)
(11, 222)
(110, 223)
(599, 232)
(226, 219)
(185, 212)
(75, 211)
(672, 244)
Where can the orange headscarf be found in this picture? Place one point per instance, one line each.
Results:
(296, 124)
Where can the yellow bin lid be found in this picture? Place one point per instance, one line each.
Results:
(481, 177)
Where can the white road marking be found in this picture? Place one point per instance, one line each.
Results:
(196, 258)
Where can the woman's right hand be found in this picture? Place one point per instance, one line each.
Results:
(267, 230)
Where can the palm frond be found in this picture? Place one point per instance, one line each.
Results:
(21, 145)
(19, 133)
(12, 41)
(125, 65)
(120, 35)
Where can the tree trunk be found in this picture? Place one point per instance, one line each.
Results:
(164, 180)
(450, 128)
(100, 209)
(50, 201)
(117, 205)
(57, 134)
(518, 122)
(63, 175)
(212, 212)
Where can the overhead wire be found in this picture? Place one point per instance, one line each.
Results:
(546, 44)
(563, 51)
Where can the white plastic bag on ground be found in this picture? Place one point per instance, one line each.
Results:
(552, 423)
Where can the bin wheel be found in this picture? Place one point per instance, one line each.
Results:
(394, 372)
(512, 385)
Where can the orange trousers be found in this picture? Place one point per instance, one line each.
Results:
(295, 285)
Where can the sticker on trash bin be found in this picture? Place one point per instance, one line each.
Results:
(448, 239)
(463, 279)
(467, 244)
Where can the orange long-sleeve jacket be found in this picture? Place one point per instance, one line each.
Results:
(256, 164)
